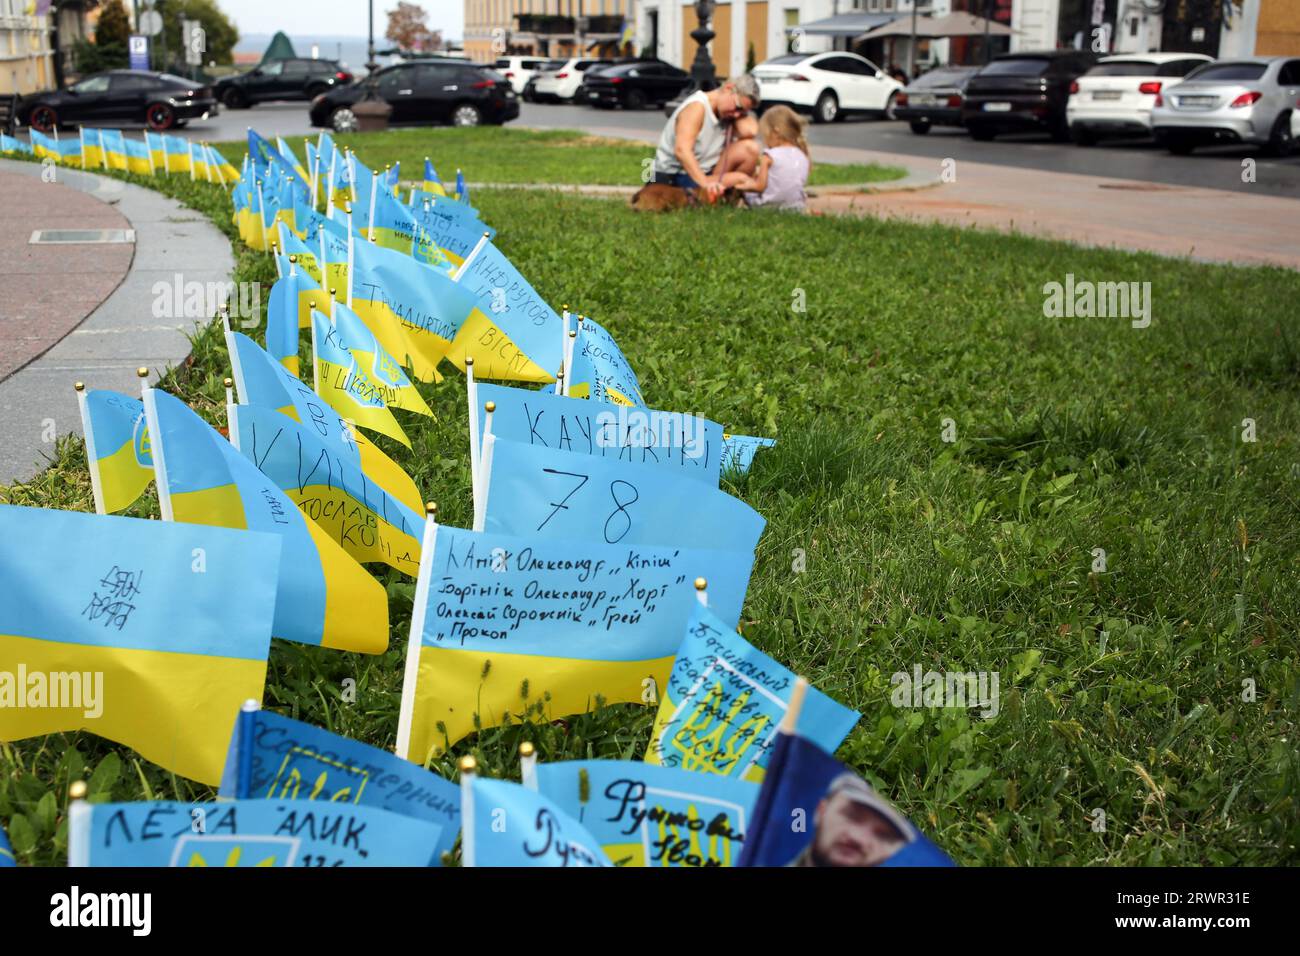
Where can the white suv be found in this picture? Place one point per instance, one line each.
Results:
(520, 69)
(1115, 97)
(562, 84)
(827, 85)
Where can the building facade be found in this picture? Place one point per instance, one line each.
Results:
(26, 53)
(551, 28)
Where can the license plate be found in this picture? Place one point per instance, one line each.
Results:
(925, 100)
(1197, 100)
(1106, 95)
(997, 107)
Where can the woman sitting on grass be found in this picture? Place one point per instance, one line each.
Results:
(783, 166)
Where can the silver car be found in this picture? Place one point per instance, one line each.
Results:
(1253, 100)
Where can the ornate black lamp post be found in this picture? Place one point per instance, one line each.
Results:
(704, 75)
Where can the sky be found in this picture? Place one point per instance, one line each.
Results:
(334, 17)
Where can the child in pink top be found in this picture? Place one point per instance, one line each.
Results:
(783, 167)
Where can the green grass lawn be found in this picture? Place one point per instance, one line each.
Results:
(971, 555)
(516, 155)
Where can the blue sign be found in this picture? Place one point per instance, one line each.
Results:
(138, 49)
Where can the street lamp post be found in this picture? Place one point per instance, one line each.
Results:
(370, 49)
(703, 73)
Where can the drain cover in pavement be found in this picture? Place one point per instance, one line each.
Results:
(68, 236)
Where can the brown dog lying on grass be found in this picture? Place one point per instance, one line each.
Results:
(661, 197)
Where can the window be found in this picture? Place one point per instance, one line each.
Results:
(1289, 75)
(123, 83)
(1229, 71)
(94, 84)
(1125, 68)
(273, 69)
(1178, 67)
(1017, 66)
(295, 67)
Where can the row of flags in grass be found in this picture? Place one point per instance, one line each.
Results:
(604, 564)
(110, 149)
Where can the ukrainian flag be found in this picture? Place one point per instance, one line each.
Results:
(263, 381)
(286, 151)
(395, 227)
(374, 363)
(115, 147)
(598, 369)
(323, 596)
(432, 184)
(513, 334)
(289, 308)
(363, 519)
(44, 146)
(453, 228)
(145, 633)
(10, 144)
(308, 258)
(117, 448)
(139, 160)
(92, 148)
(199, 163)
(177, 152)
(157, 149)
(344, 387)
(225, 171)
(415, 310)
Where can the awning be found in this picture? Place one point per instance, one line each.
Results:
(959, 24)
(844, 24)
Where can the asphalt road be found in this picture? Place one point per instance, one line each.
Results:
(1216, 168)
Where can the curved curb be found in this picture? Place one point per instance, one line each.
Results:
(37, 402)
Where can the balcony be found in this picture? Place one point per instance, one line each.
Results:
(548, 25)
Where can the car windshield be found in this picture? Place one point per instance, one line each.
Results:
(92, 84)
(1229, 71)
(941, 78)
(1124, 68)
(786, 60)
(1018, 66)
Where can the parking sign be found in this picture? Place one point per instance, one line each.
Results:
(138, 51)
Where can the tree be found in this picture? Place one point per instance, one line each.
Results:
(409, 29)
(221, 34)
(114, 26)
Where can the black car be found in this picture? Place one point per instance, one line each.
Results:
(294, 79)
(159, 100)
(423, 92)
(934, 99)
(1024, 92)
(633, 85)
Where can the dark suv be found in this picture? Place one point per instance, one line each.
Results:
(296, 79)
(1024, 92)
(423, 92)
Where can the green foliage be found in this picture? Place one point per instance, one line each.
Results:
(222, 35)
(88, 58)
(114, 26)
(968, 555)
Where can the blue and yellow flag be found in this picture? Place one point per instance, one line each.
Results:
(199, 163)
(375, 365)
(10, 144)
(117, 448)
(599, 371)
(289, 306)
(505, 627)
(513, 334)
(178, 153)
(308, 258)
(157, 149)
(415, 310)
(263, 381)
(92, 148)
(225, 171)
(278, 758)
(115, 147)
(286, 151)
(432, 182)
(396, 228)
(653, 816)
(685, 445)
(246, 833)
(553, 493)
(724, 701)
(510, 825)
(138, 157)
(449, 225)
(330, 489)
(323, 596)
(344, 386)
(738, 452)
(146, 633)
(462, 190)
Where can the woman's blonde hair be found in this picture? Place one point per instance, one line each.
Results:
(786, 124)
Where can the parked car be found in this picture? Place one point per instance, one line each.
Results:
(562, 85)
(159, 100)
(423, 92)
(1023, 92)
(1115, 97)
(830, 86)
(295, 79)
(520, 69)
(634, 85)
(934, 99)
(1254, 101)
(529, 94)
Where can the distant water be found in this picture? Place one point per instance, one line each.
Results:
(351, 51)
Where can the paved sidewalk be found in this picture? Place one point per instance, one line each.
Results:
(85, 312)
(1212, 225)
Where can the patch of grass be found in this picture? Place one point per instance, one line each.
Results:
(979, 554)
(517, 155)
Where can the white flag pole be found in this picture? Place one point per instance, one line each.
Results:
(190, 145)
(471, 393)
(568, 361)
(564, 347)
(528, 765)
(484, 468)
(411, 674)
(374, 194)
(81, 134)
(78, 825)
(213, 164)
(315, 361)
(91, 458)
(229, 383)
(473, 254)
(791, 718)
(468, 771)
(329, 186)
(156, 446)
(702, 591)
(351, 241)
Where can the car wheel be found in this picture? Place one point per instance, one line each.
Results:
(920, 127)
(1281, 142)
(1082, 135)
(159, 116)
(889, 106)
(235, 98)
(43, 119)
(466, 114)
(827, 108)
(343, 120)
(635, 100)
(981, 134)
